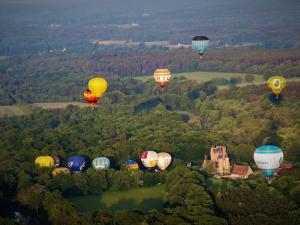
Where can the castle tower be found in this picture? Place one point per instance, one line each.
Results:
(219, 159)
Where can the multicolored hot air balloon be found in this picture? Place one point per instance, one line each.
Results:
(149, 159)
(76, 163)
(61, 170)
(276, 84)
(101, 163)
(90, 98)
(56, 159)
(44, 161)
(162, 77)
(164, 160)
(131, 165)
(200, 44)
(96, 88)
(268, 158)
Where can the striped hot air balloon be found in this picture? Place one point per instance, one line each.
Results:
(162, 77)
(200, 44)
(268, 158)
(101, 163)
(132, 165)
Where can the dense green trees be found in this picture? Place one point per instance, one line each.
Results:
(63, 77)
(262, 205)
(186, 121)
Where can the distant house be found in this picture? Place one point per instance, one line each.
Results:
(151, 44)
(239, 171)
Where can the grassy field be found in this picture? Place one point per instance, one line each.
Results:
(23, 109)
(15, 110)
(58, 105)
(207, 76)
(143, 199)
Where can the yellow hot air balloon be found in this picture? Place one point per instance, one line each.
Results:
(60, 170)
(97, 86)
(44, 161)
(276, 84)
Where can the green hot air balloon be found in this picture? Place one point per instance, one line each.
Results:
(101, 163)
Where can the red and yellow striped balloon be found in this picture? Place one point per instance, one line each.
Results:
(162, 77)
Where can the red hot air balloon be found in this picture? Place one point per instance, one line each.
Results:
(90, 98)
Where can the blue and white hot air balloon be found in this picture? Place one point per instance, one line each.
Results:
(268, 158)
(200, 44)
(76, 163)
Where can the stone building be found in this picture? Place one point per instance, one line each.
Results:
(219, 160)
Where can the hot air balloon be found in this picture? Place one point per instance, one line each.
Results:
(149, 159)
(132, 165)
(162, 77)
(268, 158)
(56, 159)
(200, 44)
(101, 163)
(44, 161)
(97, 86)
(59, 170)
(164, 160)
(276, 84)
(76, 164)
(90, 98)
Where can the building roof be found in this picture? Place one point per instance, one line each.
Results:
(240, 170)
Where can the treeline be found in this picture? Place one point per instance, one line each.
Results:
(63, 77)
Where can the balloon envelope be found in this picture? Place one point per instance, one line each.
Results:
(200, 44)
(56, 159)
(149, 159)
(60, 170)
(97, 86)
(276, 84)
(101, 163)
(76, 163)
(132, 165)
(268, 158)
(44, 161)
(162, 77)
(164, 160)
(90, 98)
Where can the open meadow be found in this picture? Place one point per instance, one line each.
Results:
(145, 198)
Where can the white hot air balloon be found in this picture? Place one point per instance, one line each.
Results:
(164, 160)
(149, 159)
(268, 158)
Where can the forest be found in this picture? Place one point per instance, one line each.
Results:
(62, 76)
(212, 62)
(185, 119)
(34, 26)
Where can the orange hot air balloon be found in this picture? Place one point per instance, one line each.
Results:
(162, 77)
(90, 98)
